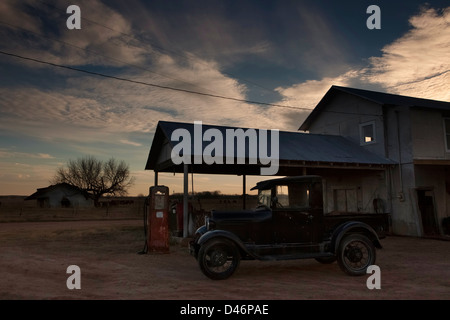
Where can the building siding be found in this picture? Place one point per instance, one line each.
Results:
(343, 116)
(427, 130)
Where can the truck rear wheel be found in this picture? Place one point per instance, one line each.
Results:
(218, 258)
(356, 253)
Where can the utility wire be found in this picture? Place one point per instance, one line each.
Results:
(148, 84)
(139, 67)
(99, 54)
(175, 89)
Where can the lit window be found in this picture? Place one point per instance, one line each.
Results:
(367, 133)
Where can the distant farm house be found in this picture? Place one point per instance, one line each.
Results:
(61, 195)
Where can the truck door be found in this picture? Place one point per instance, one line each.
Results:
(292, 214)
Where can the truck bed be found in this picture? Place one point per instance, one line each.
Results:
(378, 221)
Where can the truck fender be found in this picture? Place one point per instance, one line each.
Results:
(200, 231)
(227, 235)
(353, 227)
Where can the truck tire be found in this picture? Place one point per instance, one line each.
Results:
(356, 253)
(218, 258)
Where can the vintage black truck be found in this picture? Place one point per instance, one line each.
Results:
(288, 223)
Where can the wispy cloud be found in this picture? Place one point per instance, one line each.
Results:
(106, 38)
(307, 94)
(323, 50)
(419, 61)
(99, 110)
(5, 153)
(417, 64)
(136, 144)
(11, 12)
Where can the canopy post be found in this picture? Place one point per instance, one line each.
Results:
(244, 196)
(185, 201)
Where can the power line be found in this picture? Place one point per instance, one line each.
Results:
(176, 89)
(136, 66)
(99, 54)
(148, 84)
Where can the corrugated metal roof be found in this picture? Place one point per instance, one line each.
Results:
(325, 148)
(293, 146)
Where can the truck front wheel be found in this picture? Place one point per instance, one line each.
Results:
(218, 258)
(356, 253)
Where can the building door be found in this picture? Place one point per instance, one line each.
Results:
(425, 203)
(345, 200)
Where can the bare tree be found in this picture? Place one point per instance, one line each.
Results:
(95, 177)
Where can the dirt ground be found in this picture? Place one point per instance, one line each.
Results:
(34, 257)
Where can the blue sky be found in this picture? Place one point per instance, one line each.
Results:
(279, 52)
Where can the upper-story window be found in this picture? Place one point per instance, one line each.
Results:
(447, 133)
(367, 133)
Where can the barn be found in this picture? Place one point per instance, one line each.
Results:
(61, 195)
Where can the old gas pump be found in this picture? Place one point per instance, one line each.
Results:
(158, 219)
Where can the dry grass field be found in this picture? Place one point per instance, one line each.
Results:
(16, 209)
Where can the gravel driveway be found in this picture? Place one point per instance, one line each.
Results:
(34, 257)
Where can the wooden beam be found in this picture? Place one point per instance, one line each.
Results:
(440, 162)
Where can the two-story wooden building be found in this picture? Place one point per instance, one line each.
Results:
(413, 132)
(377, 152)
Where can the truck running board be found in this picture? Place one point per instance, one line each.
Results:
(294, 256)
(287, 251)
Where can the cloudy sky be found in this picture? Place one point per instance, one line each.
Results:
(286, 53)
